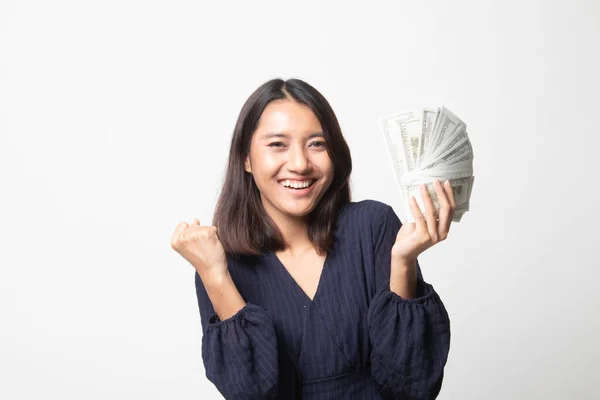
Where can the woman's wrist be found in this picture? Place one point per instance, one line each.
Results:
(214, 279)
(223, 294)
(403, 278)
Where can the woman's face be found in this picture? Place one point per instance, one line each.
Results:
(289, 160)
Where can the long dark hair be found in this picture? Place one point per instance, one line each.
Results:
(244, 227)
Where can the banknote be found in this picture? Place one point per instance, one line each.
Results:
(394, 146)
(425, 145)
(447, 124)
(407, 138)
(461, 188)
(428, 122)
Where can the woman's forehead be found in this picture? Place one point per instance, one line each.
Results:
(287, 117)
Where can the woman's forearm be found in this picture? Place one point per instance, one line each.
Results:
(223, 294)
(403, 278)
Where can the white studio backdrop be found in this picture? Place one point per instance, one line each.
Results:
(115, 123)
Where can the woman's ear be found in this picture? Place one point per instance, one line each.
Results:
(247, 165)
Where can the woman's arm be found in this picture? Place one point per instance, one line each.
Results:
(408, 325)
(222, 293)
(403, 278)
(239, 348)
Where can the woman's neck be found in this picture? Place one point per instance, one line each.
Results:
(295, 234)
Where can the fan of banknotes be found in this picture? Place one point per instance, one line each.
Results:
(426, 145)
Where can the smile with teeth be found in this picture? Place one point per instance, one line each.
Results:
(296, 184)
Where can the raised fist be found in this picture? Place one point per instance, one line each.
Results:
(200, 245)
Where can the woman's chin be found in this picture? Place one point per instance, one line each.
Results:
(297, 213)
(292, 207)
(297, 210)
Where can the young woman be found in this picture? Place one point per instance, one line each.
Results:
(302, 292)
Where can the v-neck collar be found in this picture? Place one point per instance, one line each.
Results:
(296, 286)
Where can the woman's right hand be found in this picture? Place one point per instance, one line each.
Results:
(201, 246)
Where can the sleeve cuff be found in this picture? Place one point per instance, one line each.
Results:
(215, 322)
(425, 293)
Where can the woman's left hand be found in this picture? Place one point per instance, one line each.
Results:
(415, 237)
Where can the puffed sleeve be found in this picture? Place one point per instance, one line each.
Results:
(240, 353)
(410, 338)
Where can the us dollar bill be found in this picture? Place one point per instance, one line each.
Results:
(394, 146)
(425, 145)
(428, 121)
(447, 126)
(461, 189)
(401, 128)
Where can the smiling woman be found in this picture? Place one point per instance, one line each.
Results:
(292, 169)
(287, 137)
(302, 293)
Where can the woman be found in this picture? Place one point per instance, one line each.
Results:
(303, 293)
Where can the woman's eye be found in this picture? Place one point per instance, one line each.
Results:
(318, 144)
(276, 144)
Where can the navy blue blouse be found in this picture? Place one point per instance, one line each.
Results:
(355, 340)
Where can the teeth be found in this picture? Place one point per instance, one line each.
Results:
(296, 184)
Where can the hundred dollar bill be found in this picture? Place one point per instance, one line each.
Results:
(408, 141)
(411, 133)
(471, 187)
(428, 121)
(460, 211)
(457, 216)
(451, 142)
(463, 151)
(392, 139)
(447, 125)
(461, 188)
(404, 128)
(462, 157)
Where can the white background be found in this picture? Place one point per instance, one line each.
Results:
(115, 122)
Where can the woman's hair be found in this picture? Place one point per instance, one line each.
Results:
(243, 225)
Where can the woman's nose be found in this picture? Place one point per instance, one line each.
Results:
(298, 161)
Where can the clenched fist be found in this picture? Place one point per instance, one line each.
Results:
(200, 246)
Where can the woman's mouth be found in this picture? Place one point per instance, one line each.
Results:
(298, 187)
